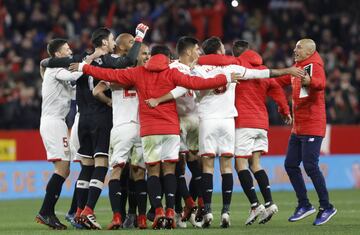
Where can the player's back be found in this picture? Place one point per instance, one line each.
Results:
(125, 104)
(216, 103)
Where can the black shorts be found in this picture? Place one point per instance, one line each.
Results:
(94, 134)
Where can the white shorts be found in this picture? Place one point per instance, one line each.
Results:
(249, 140)
(122, 140)
(217, 137)
(160, 148)
(189, 135)
(74, 140)
(54, 134)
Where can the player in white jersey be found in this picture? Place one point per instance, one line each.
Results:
(56, 94)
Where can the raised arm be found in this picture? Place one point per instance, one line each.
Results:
(120, 62)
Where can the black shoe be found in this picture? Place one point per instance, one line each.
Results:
(50, 220)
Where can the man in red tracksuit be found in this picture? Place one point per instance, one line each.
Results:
(252, 125)
(308, 131)
(159, 127)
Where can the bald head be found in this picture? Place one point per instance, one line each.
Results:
(123, 43)
(304, 49)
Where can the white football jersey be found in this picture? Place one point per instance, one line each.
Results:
(216, 103)
(125, 105)
(57, 92)
(220, 102)
(185, 104)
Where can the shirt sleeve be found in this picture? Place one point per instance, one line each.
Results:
(178, 92)
(63, 62)
(120, 62)
(284, 80)
(66, 75)
(317, 81)
(124, 77)
(197, 83)
(248, 73)
(276, 92)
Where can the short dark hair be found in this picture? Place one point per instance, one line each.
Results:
(184, 43)
(239, 46)
(160, 49)
(54, 45)
(98, 35)
(211, 45)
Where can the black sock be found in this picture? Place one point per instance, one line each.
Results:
(207, 184)
(53, 190)
(182, 188)
(115, 195)
(263, 181)
(73, 206)
(124, 179)
(141, 196)
(195, 169)
(227, 187)
(248, 186)
(132, 197)
(170, 190)
(154, 191)
(178, 204)
(82, 185)
(96, 185)
(192, 189)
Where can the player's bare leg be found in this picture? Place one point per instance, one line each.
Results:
(263, 182)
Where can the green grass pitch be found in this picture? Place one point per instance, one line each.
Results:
(17, 217)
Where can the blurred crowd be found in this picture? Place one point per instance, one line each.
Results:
(272, 27)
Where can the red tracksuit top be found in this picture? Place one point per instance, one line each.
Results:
(309, 112)
(250, 95)
(155, 79)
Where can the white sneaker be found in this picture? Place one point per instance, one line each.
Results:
(270, 211)
(208, 218)
(179, 222)
(193, 221)
(225, 220)
(254, 213)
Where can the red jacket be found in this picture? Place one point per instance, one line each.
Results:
(250, 95)
(155, 79)
(309, 112)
